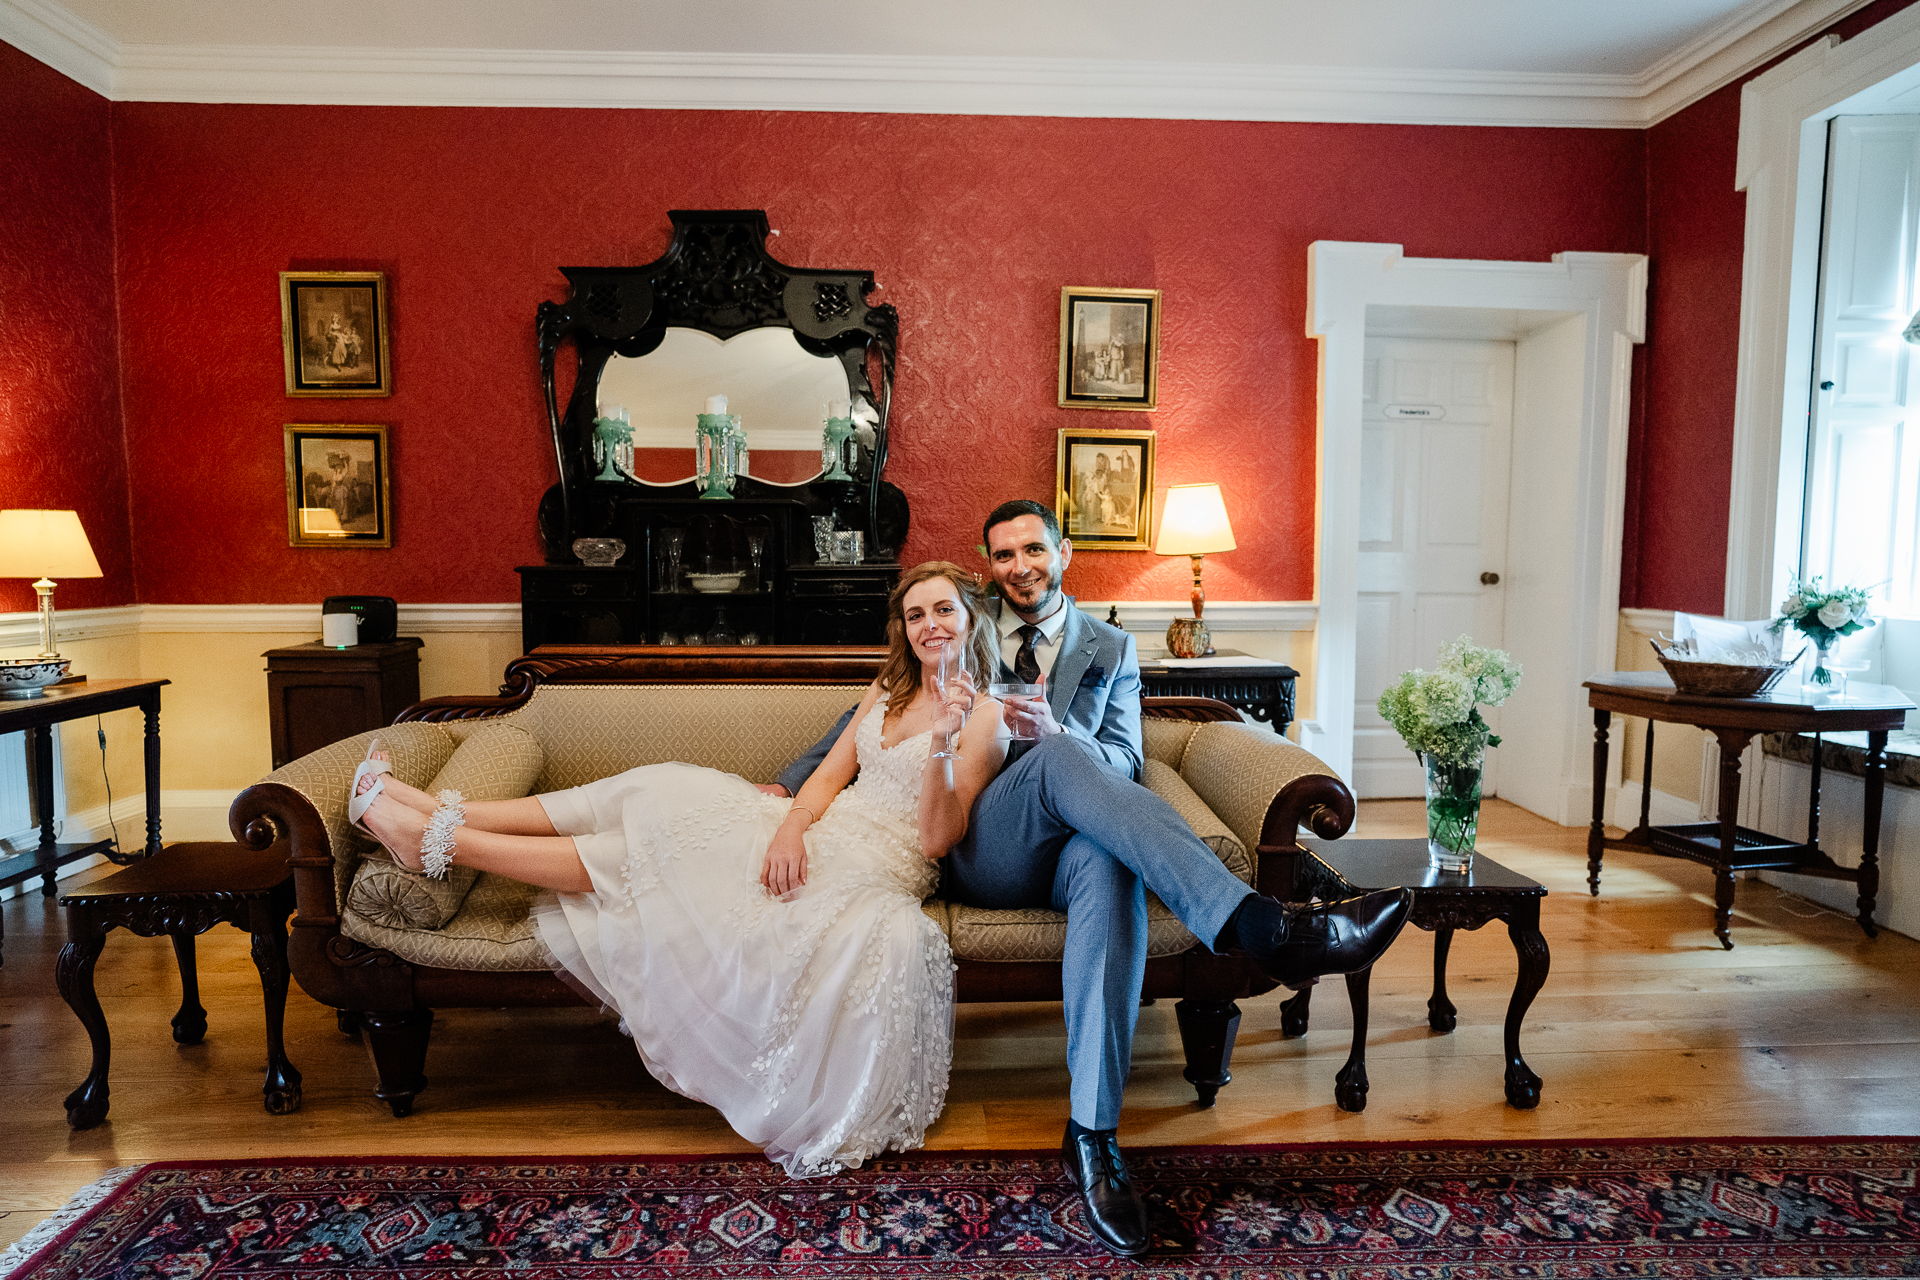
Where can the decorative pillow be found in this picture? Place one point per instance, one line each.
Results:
(1166, 740)
(497, 762)
(1164, 782)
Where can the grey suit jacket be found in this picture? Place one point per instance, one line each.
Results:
(1093, 689)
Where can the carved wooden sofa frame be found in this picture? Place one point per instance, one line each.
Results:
(391, 1001)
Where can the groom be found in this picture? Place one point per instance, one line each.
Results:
(1065, 826)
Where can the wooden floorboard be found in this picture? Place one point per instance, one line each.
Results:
(1646, 1028)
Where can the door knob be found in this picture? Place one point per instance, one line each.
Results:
(1489, 579)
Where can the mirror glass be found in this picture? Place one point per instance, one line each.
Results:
(779, 390)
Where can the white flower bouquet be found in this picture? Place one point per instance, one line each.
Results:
(1823, 615)
(1437, 713)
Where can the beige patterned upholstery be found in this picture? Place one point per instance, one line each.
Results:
(325, 778)
(493, 932)
(595, 731)
(1036, 934)
(497, 761)
(1166, 740)
(1237, 770)
(1215, 834)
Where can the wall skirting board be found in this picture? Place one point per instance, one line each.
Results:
(1141, 617)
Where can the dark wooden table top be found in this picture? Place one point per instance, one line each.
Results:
(57, 702)
(1786, 709)
(1381, 864)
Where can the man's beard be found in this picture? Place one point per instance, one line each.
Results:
(1045, 590)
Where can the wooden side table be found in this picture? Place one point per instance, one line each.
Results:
(1725, 845)
(1262, 690)
(318, 695)
(182, 891)
(1443, 902)
(73, 702)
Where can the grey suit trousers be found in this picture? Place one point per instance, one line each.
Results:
(1060, 828)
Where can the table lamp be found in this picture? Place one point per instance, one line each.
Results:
(1193, 523)
(41, 544)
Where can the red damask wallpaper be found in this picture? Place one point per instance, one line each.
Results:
(61, 444)
(971, 223)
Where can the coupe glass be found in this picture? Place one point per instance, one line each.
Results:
(951, 663)
(1004, 689)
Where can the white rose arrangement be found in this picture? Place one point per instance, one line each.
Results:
(1823, 615)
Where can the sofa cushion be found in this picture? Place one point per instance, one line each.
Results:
(492, 932)
(1166, 740)
(1034, 933)
(496, 762)
(1215, 834)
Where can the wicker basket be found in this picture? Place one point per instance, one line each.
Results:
(1724, 679)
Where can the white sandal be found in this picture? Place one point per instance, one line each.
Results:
(359, 802)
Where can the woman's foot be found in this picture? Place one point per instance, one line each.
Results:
(411, 797)
(399, 828)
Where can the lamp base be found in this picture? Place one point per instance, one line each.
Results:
(1189, 638)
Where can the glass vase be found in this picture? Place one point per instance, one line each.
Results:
(1453, 812)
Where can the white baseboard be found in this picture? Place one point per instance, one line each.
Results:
(184, 815)
(1664, 810)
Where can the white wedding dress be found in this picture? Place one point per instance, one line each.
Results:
(820, 1025)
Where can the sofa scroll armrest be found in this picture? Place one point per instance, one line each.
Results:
(274, 812)
(1266, 788)
(1319, 802)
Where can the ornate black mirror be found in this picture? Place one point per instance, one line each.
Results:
(716, 314)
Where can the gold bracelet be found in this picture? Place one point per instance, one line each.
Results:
(810, 813)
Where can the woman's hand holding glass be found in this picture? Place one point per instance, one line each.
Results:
(955, 688)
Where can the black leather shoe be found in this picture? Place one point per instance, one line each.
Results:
(1114, 1211)
(1294, 945)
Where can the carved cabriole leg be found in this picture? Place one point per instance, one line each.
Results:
(1350, 1086)
(73, 974)
(1207, 1032)
(1732, 743)
(1530, 946)
(1876, 779)
(281, 1088)
(397, 1043)
(1293, 1013)
(190, 1024)
(1440, 1010)
(1597, 833)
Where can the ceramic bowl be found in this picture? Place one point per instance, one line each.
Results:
(599, 553)
(714, 584)
(29, 677)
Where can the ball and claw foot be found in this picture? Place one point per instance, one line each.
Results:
(87, 1105)
(189, 1029)
(1441, 1015)
(283, 1102)
(1523, 1087)
(1350, 1087)
(1293, 1015)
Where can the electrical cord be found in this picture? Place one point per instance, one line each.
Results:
(100, 728)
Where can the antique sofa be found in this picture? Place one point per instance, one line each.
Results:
(386, 948)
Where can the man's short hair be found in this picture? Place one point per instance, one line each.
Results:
(1022, 507)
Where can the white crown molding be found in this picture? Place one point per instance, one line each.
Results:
(906, 84)
(74, 48)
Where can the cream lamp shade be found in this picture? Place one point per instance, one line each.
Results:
(45, 544)
(1194, 522)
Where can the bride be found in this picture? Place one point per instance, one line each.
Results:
(769, 958)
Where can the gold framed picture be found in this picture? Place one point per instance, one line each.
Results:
(1103, 491)
(337, 485)
(1109, 348)
(333, 333)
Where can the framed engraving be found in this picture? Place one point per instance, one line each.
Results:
(1109, 348)
(1103, 493)
(338, 485)
(333, 333)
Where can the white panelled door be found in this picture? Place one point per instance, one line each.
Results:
(1863, 458)
(1437, 442)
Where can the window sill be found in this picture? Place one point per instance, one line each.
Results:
(1847, 753)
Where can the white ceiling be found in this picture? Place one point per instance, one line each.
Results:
(1586, 62)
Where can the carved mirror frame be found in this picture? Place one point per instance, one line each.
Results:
(716, 276)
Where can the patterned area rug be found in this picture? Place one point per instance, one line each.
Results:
(1436, 1211)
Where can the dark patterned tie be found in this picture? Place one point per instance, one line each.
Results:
(1026, 667)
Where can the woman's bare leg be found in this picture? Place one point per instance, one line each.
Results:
(523, 817)
(550, 861)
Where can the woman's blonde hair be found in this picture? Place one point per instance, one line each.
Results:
(900, 676)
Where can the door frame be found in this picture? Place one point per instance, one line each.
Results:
(1578, 319)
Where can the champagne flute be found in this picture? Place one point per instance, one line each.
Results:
(950, 664)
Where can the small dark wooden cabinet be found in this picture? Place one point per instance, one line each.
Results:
(318, 695)
(1263, 691)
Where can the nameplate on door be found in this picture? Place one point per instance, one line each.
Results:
(1433, 411)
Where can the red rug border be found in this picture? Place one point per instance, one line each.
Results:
(1016, 1152)
(126, 1187)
